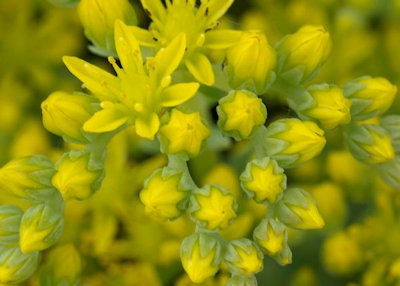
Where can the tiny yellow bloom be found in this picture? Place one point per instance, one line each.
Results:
(263, 180)
(250, 63)
(371, 96)
(163, 194)
(292, 141)
(184, 132)
(297, 209)
(271, 235)
(200, 256)
(137, 95)
(300, 55)
(64, 114)
(239, 112)
(328, 107)
(212, 207)
(75, 178)
(98, 18)
(243, 257)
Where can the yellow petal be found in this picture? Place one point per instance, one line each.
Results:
(102, 84)
(169, 58)
(155, 10)
(108, 119)
(200, 67)
(221, 39)
(216, 9)
(128, 49)
(144, 37)
(178, 93)
(147, 127)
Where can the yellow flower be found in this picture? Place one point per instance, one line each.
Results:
(328, 106)
(212, 207)
(184, 132)
(263, 180)
(138, 94)
(297, 209)
(239, 112)
(163, 195)
(75, 177)
(371, 96)
(250, 63)
(64, 114)
(16, 266)
(98, 18)
(197, 23)
(271, 235)
(300, 55)
(243, 257)
(200, 256)
(370, 143)
(291, 141)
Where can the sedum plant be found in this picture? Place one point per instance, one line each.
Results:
(164, 88)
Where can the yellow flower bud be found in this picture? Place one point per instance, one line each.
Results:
(370, 143)
(98, 18)
(28, 178)
(292, 141)
(239, 112)
(263, 180)
(297, 209)
(390, 172)
(243, 257)
(201, 256)
(183, 133)
(392, 124)
(370, 96)
(10, 219)
(242, 281)
(16, 266)
(212, 207)
(327, 106)
(300, 55)
(64, 114)
(42, 225)
(341, 255)
(76, 178)
(271, 235)
(250, 63)
(163, 194)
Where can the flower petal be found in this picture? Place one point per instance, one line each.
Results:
(155, 10)
(147, 126)
(102, 84)
(128, 49)
(221, 39)
(111, 117)
(200, 67)
(178, 93)
(144, 37)
(216, 9)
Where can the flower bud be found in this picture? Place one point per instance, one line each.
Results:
(239, 113)
(297, 209)
(300, 55)
(238, 280)
(243, 257)
(370, 143)
(98, 18)
(327, 106)
(271, 235)
(370, 96)
(284, 257)
(183, 133)
(392, 124)
(42, 225)
(250, 63)
(164, 194)
(16, 266)
(390, 172)
(10, 219)
(77, 176)
(64, 114)
(292, 141)
(263, 180)
(212, 207)
(28, 178)
(201, 256)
